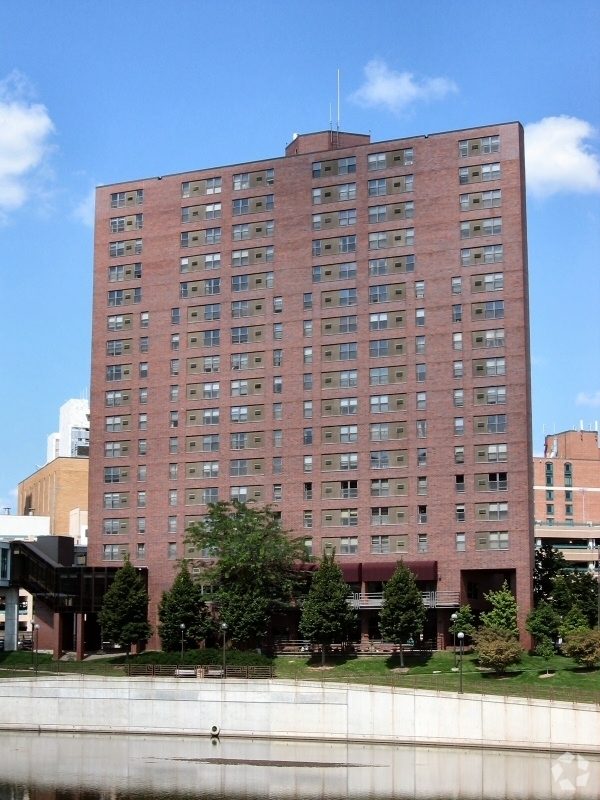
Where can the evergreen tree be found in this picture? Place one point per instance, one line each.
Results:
(254, 572)
(543, 622)
(124, 614)
(549, 564)
(402, 612)
(503, 616)
(184, 604)
(326, 613)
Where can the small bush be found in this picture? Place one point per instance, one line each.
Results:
(583, 646)
(497, 649)
(198, 658)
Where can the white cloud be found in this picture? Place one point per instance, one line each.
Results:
(557, 157)
(85, 211)
(24, 131)
(585, 399)
(397, 90)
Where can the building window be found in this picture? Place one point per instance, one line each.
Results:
(457, 369)
(143, 369)
(308, 519)
(307, 328)
(142, 422)
(277, 438)
(456, 285)
(173, 471)
(422, 543)
(459, 398)
(459, 426)
(549, 473)
(172, 497)
(172, 551)
(419, 317)
(277, 411)
(421, 401)
(307, 302)
(308, 409)
(460, 513)
(422, 457)
(380, 544)
(459, 483)
(422, 485)
(348, 545)
(457, 313)
(173, 419)
(307, 436)
(308, 463)
(142, 447)
(277, 465)
(568, 475)
(141, 525)
(461, 542)
(419, 290)
(421, 372)
(173, 445)
(307, 381)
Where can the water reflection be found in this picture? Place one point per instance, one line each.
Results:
(63, 767)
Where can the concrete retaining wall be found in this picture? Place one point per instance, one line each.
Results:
(289, 710)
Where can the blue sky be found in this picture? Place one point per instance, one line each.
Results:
(93, 93)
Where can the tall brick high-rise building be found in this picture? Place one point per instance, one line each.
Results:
(341, 332)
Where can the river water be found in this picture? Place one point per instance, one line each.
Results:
(88, 767)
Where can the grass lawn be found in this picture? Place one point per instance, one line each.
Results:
(432, 671)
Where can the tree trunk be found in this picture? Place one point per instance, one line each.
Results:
(323, 651)
(401, 655)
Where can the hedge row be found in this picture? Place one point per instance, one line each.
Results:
(202, 657)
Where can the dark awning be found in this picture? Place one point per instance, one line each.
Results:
(351, 572)
(383, 571)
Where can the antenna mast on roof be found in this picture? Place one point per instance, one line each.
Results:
(338, 108)
(330, 126)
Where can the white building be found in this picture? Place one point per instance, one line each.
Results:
(73, 437)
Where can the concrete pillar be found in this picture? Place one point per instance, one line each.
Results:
(79, 637)
(57, 644)
(11, 617)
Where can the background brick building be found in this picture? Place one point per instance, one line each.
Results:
(567, 496)
(342, 332)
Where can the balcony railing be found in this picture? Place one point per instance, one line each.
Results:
(430, 600)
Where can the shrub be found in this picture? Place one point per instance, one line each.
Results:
(496, 648)
(583, 646)
(203, 657)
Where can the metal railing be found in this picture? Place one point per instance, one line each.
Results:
(204, 671)
(430, 599)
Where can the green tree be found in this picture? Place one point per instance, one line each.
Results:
(549, 564)
(465, 621)
(543, 622)
(326, 613)
(545, 650)
(254, 571)
(576, 589)
(402, 612)
(583, 646)
(503, 615)
(124, 614)
(184, 604)
(497, 648)
(573, 622)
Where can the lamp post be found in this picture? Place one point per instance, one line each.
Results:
(224, 629)
(182, 627)
(35, 645)
(461, 638)
(598, 580)
(454, 617)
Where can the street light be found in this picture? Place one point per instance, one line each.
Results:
(461, 638)
(182, 627)
(35, 645)
(454, 617)
(224, 629)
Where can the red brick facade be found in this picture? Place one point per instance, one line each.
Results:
(567, 496)
(423, 219)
